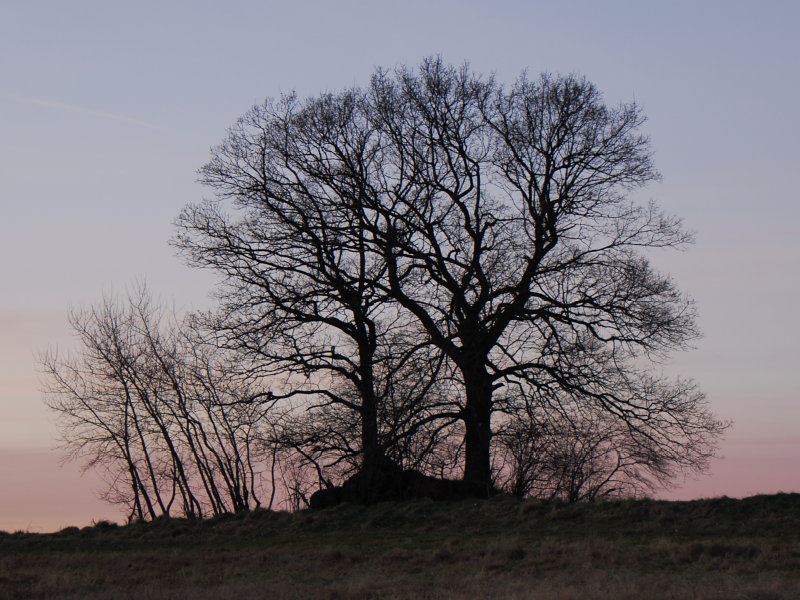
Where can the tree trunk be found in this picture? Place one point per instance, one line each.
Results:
(477, 422)
(372, 452)
(369, 435)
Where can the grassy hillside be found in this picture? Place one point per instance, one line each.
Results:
(722, 549)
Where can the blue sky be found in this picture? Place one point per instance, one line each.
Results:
(107, 109)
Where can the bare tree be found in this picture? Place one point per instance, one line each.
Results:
(299, 294)
(509, 236)
(161, 411)
(568, 448)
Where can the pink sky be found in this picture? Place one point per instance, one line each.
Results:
(39, 494)
(760, 454)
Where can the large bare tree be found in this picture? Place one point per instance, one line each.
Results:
(299, 294)
(509, 234)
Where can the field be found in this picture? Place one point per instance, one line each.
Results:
(502, 548)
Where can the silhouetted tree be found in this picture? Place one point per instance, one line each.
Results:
(299, 294)
(492, 222)
(509, 236)
(563, 447)
(160, 409)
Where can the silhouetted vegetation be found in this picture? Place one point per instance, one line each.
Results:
(434, 277)
(158, 410)
(720, 549)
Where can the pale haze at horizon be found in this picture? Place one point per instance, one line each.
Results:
(106, 112)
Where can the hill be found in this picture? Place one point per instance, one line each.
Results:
(502, 548)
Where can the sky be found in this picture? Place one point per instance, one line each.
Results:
(107, 110)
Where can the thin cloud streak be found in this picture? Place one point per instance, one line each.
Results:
(80, 109)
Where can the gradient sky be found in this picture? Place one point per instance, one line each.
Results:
(107, 109)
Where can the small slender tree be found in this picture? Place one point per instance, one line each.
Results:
(160, 410)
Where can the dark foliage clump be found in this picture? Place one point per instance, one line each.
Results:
(390, 482)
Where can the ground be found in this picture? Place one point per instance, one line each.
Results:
(500, 548)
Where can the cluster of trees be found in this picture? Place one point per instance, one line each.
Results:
(437, 271)
(150, 403)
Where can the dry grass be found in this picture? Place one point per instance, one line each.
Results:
(715, 549)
